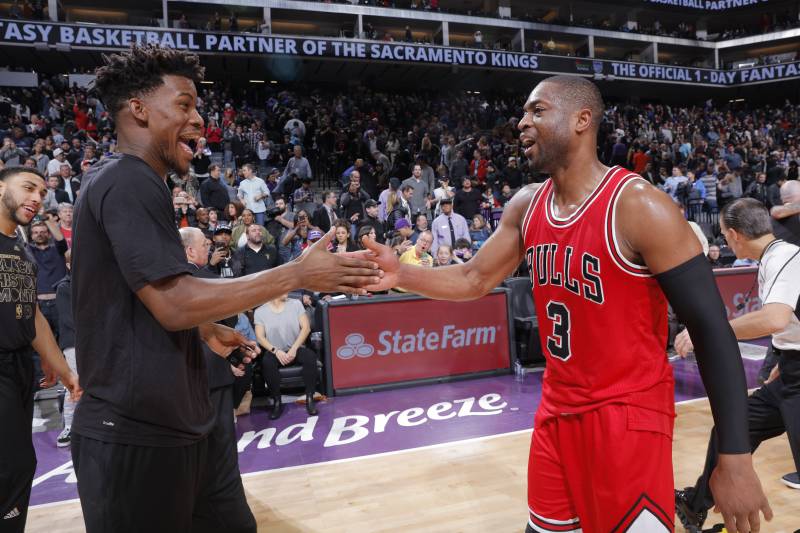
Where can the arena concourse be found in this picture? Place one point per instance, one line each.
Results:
(399, 121)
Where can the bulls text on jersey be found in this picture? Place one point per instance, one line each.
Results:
(550, 265)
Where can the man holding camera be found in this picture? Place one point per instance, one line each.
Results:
(775, 407)
(222, 262)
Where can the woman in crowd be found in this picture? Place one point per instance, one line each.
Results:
(239, 233)
(295, 240)
(282, 327)
(232, 212)
(40, 157)
(230, 183)
(365, 231)
(478, 232)
(342, 242)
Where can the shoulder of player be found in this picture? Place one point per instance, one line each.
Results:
(642, 207)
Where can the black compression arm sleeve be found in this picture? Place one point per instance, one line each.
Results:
(693, 293)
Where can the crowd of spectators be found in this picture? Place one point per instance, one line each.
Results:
(428, 174)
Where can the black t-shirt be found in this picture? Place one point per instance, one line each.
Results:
(787, 229)
(143, 385)
(17, 295)
(467, 204)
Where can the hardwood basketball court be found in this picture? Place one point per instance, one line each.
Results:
(475, 486)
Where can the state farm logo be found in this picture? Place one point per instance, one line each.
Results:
(397, 342)
(355, 346)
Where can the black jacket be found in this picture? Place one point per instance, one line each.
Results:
(380, 228)
(320, 218)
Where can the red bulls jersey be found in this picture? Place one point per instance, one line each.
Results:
(602, 319)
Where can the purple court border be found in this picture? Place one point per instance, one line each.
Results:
(367, 424)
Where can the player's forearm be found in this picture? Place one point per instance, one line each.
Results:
(691, 290)
(455, 282)
(198, 301)
(45, 345)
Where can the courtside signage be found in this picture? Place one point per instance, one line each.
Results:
(62, 36)
(734, 284)
(388, 341)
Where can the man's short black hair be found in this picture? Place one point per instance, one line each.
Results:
(577, 92)
(139, 71)
(9, 172)
(747, 216)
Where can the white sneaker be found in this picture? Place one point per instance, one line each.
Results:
(64, 439)
(791, 480)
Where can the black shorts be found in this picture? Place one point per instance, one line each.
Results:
(196, 488)
(17, 457)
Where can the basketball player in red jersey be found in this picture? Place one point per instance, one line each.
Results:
(606, 252)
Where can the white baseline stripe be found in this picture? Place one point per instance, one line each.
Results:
(371, 456)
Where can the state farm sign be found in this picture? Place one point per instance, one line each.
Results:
(390, 341)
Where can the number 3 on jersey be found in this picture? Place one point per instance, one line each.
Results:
(558, 342)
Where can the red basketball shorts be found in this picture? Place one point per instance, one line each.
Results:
(606, 470)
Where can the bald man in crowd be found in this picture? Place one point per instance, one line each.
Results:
(786, 217)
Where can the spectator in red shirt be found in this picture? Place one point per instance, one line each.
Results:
(214, 135)
(640, 160)
(81, 116)
(477, 167)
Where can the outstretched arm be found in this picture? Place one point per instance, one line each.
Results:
(496, 259)
(673, 254)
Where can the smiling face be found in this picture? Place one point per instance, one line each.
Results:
(171, 118)
(21, 197)
(545, 131)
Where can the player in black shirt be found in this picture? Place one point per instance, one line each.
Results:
(140, 433)
(23, 329)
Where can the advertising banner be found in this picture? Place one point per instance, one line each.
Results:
(734, 285)
(64, 37)
(401, 340)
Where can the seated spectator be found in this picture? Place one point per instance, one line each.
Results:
(239, 236)
(371, 220)
(295, 240)
(444, 256)
(232, 213)
(713, 256)
(418, 255)
(462, 251)
(342, 242)
(401, 239)
(479, 232)
(222, 261)
(282, 327)
(365, 231)
(420, 226)
(257, 255)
